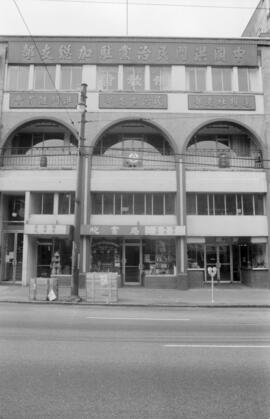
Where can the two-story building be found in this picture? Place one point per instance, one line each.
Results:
(175, 161)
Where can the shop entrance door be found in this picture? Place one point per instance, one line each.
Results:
(220, 257)
(13, 257)
(132, 265)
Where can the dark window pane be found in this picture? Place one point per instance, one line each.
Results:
(66, 203)
(108, 203)
(149, 204)
(191, 204)
(117, 203)
(248, 204)
(259, 205)
(169, 203)
(195, 254)
(97, 203)
(139, 203)
(127, 203)
(230, 204)
(47, 207)
(219, 205)
(202, 204)
(239, 204)
(158, 204)
(211, 203)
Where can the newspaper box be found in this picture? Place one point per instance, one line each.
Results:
(102, 287)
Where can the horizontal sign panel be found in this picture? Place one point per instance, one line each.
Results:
(47, 229)
(225, 102)
(43, 100)
(120, 52)
(137, 230)
(133, 101)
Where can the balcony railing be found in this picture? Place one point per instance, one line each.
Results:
(217, 159)
(143, 160)
(39, 157)
(66, 158)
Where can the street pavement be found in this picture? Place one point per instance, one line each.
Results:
(89, 362)
(223, 295)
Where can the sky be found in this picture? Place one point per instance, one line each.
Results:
(168, 18)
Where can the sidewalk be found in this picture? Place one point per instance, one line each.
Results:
(224, 296)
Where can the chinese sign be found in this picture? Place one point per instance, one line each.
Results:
(133, 101)
(225, 102)
(43, 100)
(47, 229)
(121, 52)
(133, 230)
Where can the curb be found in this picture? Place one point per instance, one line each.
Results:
(150, 305)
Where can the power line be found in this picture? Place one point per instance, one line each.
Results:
(134, 3)
(45, 66)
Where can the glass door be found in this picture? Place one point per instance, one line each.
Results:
(219, 256)
(13, 257)
(132, 265)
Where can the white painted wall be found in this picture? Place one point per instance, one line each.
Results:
(229, 181)
(227, 226)
(37, 180)
(133, 219)
(64, 219)
(133, 181)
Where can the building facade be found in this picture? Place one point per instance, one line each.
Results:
(259, 23)
(174, 164)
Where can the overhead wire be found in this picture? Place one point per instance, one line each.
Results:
(44, 64)
(148, 3)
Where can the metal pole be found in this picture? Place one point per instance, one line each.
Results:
(78, 200)
(126, 17)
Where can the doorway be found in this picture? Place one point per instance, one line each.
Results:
(132, 263)
(219, 256)
(13, 254)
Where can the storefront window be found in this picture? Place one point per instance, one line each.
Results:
(159, 257)
(54, 257)
(195, 254)
(106, 255)
(253, 256)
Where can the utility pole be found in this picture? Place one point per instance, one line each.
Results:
(78, 200)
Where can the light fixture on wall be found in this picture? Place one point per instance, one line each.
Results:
(14, 212)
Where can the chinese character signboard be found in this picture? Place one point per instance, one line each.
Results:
(47, 229)
(225, 102)
(133, 101)
(43, 100)
(90, 51)
(132, 230)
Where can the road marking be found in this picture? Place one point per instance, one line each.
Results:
(176, 345)
(137, 318)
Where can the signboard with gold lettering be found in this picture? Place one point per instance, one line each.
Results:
(126, 51)
(133, 230)
(47, 229)
(231, 102)
(133, 101)
(43, 100)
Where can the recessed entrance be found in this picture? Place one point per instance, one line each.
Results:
(13, 254)
(220, 256)
(132, 263)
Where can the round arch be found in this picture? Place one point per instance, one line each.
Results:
(229, 121)
(29, 121)
(146, 122)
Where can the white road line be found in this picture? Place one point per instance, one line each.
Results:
(175, 345)
(137, 318)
